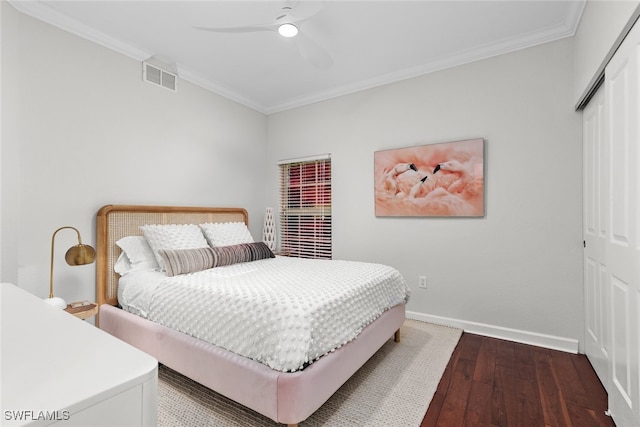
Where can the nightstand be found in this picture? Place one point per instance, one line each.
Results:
(84, 311)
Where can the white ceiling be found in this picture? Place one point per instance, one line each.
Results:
(370, 42)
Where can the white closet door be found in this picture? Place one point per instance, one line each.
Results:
(622, 99)
(596, 290)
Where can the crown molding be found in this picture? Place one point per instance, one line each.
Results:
(549, 34)
(39, 10)
(197, 79)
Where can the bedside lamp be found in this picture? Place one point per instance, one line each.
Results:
(76, 255)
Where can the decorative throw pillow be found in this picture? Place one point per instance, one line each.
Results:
(182, 261)
(226, 233)
(138, 254)
(172, 236)
(244, 252)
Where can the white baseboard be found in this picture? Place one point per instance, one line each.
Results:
(568, 345)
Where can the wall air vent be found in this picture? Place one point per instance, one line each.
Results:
(158, 76)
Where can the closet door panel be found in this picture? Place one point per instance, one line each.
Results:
(597, 337)
(622, 100)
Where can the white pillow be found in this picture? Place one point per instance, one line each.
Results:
(172, 236)
(226, 233)
(138, 253)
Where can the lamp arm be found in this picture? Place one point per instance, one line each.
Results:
(53, 239)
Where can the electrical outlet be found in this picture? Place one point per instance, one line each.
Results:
(422, 282)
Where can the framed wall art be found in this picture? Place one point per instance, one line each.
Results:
(443, 180)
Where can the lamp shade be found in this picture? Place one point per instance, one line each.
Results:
(80, 254)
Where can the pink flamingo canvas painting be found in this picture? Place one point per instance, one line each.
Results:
(445, 179)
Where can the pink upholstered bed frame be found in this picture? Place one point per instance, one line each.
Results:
(287, 398)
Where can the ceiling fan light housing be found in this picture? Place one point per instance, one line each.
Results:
(287, 30)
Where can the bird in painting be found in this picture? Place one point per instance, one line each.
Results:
(464, 175)
(416, 189)
(391, 176)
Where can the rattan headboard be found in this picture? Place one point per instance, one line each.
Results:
(117, 221)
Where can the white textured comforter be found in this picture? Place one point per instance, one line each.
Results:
(283, 312)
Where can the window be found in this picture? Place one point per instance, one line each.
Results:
(305, 207)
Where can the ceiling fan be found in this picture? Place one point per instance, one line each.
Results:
(288, 24)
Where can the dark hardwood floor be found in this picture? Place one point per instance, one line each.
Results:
(492, 382)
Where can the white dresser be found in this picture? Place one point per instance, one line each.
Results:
(59, 370)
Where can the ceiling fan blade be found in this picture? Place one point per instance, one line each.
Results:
(302, 10)
(313, 52)
(294, 12)
(243, 29)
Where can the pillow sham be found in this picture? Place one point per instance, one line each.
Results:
(138, 253)
(122, 265)
(182, 261)
(226, 233)
(172, 236)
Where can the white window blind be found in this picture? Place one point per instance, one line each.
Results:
(305, 207)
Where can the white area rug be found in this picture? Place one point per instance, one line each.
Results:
(394, 388)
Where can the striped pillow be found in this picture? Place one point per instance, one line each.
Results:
(244, 252)
(182, 261)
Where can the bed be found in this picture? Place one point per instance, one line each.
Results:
(286, 393)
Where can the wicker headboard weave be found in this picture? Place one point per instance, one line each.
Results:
(117, 221)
